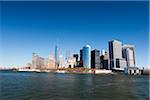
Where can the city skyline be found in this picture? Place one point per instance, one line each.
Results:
(29, 27)
(120, 57)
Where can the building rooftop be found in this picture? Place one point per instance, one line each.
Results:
(128, 46)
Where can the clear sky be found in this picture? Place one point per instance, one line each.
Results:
(28, 27)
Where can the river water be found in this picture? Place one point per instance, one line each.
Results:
(54, 86)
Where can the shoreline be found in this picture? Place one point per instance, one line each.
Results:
(73, 71)
(69, 70)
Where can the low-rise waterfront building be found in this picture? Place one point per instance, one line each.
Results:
(133, 71)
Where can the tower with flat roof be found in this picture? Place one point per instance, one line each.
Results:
(115, 55)
(129, 54)
(57, 56)
(86, 56)
(95, 59)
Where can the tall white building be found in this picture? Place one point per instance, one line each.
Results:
(70, 61)
(115, 52)
(60, 61)
(129, 55)
(34, 60)
(115, 55)
(37, 61)
(51, 62)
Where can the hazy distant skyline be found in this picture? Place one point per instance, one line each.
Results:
(28, 27)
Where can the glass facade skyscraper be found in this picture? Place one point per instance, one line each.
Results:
(86, 56)
(81, 58)
(56, 56)
(95, 59)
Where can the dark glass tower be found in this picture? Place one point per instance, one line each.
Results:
(95, 59)
(81, 58)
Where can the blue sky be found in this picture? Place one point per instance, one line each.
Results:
(28, 27)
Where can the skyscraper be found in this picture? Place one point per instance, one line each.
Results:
(37, 61)
(104, 60)
(115, 52)
(34, 60)
(95, 59)
(86, 56)
(51, 62)
(70, 61)
(129, 54)
(103, 52)
(81, 58)
(56, 56)
(76, 57)
(60, 61)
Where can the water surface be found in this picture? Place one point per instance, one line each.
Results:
(52, 86)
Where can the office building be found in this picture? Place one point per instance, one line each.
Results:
(70, 62)
(81, 60)
(45, 63)
(86, 54)
(56, 56)
(103, 52)
(38, 62)
(95, 59)
(76, 57)
(51, 62)
(104, 61)
(60, 61)
(129, 54)
(115, 52)
(35, 58)
(121, 64)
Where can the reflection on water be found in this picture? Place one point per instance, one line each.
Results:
(39, 86)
